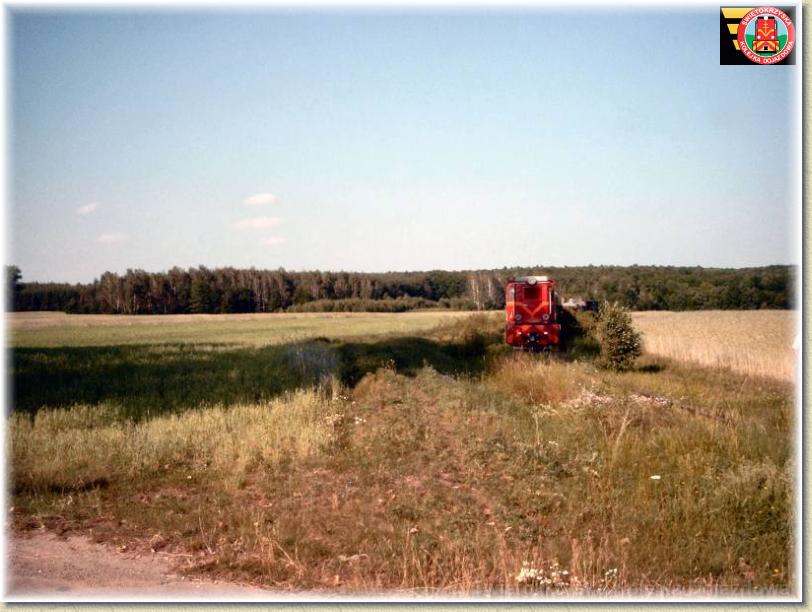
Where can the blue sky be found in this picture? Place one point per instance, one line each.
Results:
(392, 140)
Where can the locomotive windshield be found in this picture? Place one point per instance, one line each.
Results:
(532, 292)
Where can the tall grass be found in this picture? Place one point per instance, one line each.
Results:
(540, 379)
(448, 467)
(436, 484)
(88, 446)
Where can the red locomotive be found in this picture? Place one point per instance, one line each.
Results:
(766, 35)
(532, 308)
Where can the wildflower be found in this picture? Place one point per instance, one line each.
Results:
(552, 578)
(655, 477)
(528, 574)
(413, 530)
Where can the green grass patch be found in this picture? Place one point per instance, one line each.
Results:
(144, 381)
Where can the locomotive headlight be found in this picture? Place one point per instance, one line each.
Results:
(545, 317)
(518, 317)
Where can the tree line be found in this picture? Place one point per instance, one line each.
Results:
(231, 290)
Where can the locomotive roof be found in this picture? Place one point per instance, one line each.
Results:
(526, 279)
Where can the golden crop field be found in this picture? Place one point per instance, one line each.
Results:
(756, 342)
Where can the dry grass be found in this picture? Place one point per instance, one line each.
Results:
(540, 379)
(529, 475)
(601, 483)
(755, 342)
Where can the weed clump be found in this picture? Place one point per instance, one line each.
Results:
(538, 381)
(620, 343)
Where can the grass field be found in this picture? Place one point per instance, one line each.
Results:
(429, 460)
(756, 342)
(55, 329)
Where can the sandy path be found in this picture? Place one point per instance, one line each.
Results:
(43, 566)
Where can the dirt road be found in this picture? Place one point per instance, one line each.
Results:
(44, 566)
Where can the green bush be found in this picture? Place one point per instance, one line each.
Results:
(619, 341)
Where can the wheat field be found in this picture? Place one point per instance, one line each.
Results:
(755, 342)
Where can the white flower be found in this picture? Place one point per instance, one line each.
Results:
(527, 574)
(655, 477)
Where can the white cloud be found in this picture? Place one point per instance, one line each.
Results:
(260, 199)
(257, 223)
(114, 238)
(87, 208)
(272, 240)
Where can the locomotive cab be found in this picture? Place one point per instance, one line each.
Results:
(531, 309)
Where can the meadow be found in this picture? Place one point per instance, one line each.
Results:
(57, 329)
(425, 458)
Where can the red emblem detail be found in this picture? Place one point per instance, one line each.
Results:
(766, 27)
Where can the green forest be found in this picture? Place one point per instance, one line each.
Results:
(230, 290)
